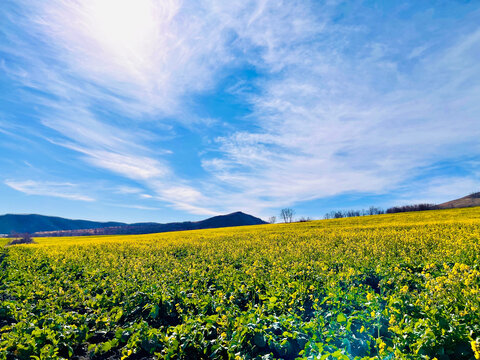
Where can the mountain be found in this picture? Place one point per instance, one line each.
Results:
(234, 219)
(32, 223)
(41, 225)
(466, 201)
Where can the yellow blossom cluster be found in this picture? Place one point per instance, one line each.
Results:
(404, 286)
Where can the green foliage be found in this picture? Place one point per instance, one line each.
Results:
(404, 286)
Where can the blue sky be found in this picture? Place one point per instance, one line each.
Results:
(143, 110)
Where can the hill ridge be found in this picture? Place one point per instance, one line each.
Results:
(42, 225)
(467, 201)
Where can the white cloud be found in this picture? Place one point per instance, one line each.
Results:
(193, 209)
(438, 190)
(56, 189)
(337, 110)
(138, 61)
(139, 207)
(128, 190)
(331, 123)
(134, 167)
(105, 145)
(140, 57)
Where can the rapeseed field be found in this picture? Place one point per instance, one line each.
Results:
(400, 286)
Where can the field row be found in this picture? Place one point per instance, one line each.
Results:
(403, 286)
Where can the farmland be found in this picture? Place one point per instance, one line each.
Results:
(403, 286)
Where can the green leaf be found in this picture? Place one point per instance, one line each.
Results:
(341, 318)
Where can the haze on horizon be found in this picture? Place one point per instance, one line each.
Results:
(144, 110)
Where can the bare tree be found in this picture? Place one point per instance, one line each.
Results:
(287, 215)
(375, 211)
(337, 214)
(272, 219)
(17, 239)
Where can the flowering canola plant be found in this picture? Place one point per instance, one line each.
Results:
(400, 286)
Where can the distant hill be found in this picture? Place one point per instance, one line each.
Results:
(41, 225)
(32, 223)
(466, 201)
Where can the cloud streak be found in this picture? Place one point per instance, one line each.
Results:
(342, 101)
(138, 62)
(347, 120)
(140, 59)
(61, 190)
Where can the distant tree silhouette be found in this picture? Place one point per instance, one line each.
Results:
(372, 210)
(272, 219)
(416, 207)
(337, 214)
(287, 215)
(24, 238)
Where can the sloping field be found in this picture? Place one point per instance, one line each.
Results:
(466, 201)
(403, 286)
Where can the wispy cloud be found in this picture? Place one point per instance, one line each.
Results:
(343, 101)
(138, 207)
(437, 190)
(128, 190)
(335, 119)
(140, 59)
(62, 190)
(134, 63)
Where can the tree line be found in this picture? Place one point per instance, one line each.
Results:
(416, 207)
(287, 214)
(372, 210)
(337, 214)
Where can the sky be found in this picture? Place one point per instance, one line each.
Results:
(144, 110)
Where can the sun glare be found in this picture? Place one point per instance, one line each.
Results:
(122, 26)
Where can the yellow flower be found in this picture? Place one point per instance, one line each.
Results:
(381, 347)
(476, 348)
